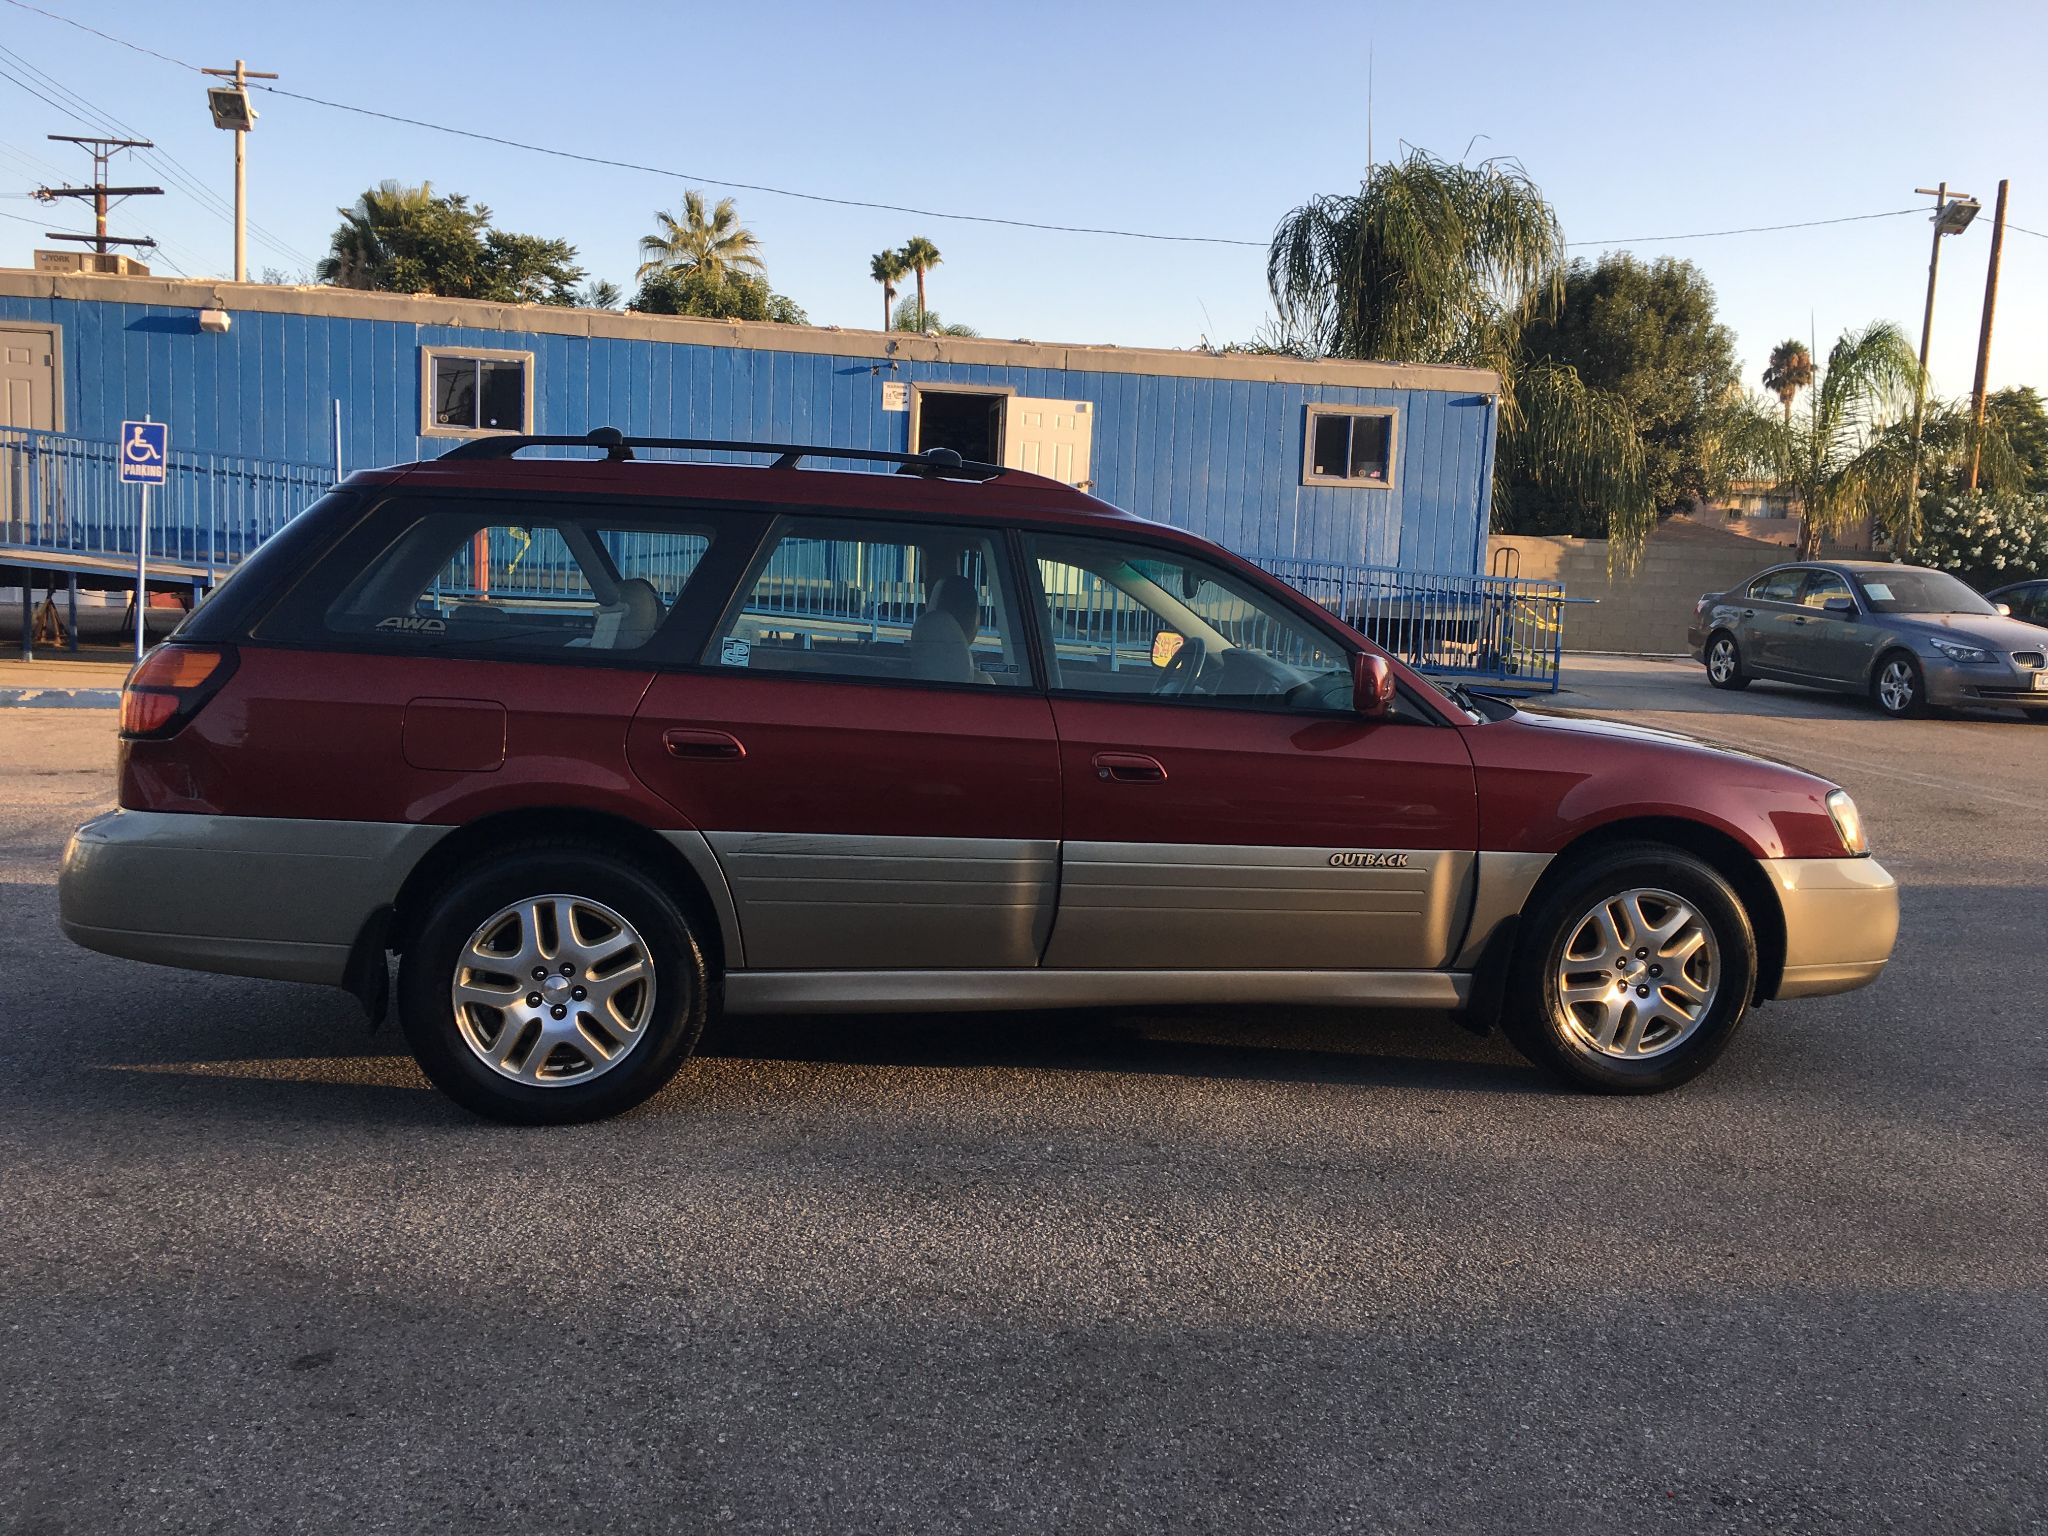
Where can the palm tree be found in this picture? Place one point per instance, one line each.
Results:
(920, 255)
(695, 243)
(1434, 262)
(888, 268)
(1790, 371)
(1845, 456)
(927, 322)
(361, 248)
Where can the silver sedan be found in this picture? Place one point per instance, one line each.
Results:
(1907, 637)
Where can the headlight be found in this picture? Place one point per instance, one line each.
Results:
(1956, 652)
(1848, 823)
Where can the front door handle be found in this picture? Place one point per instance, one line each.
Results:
(1749, 613)
(694, 741)
(1129, 768)
(1799, 621)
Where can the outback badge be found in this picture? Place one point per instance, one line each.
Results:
(1369, 860)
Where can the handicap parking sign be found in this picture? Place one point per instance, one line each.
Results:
(145, 447)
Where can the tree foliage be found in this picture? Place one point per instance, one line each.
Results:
(889, 269)
(1789, 371)
(920, 255)
(712, 243)
(401, 239)
(1645, 334)
(911, 316)
(2017, 416)
(1986, 537)
(726, 295)
(1435, 262)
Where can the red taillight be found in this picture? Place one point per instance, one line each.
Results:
(167, 687)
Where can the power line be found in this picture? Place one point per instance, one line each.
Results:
(2025, 231)
(1754, 229)
(851, 202)
(172, 169)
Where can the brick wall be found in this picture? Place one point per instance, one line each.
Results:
(1644, 611)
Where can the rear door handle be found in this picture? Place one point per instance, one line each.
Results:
(1129, 768)
(696, 741)
(1799, 621)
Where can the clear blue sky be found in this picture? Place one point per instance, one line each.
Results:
(1190, 118)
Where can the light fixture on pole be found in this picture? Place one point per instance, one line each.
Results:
(1952, 215)
(233, 113)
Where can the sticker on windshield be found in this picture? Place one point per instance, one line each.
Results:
(734, 653)
(1877, 591)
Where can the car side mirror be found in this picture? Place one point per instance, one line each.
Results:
(1372, 686)
(1845, 606)
(2004, 608)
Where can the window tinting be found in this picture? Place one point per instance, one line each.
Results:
(1125, 619)
(1778, 587)
(1822, 588)
(835, 598)
(1350, 448)
(506, 580)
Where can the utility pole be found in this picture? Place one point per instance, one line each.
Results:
(102, 152)
(1952, 216)
(231, 110)
(1984, 335)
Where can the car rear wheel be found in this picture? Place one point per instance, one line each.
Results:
(552, 985)
(1899, 687)
(1633, 972)
(1724, 662)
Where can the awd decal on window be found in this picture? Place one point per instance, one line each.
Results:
(413, 624)
(1369, 860)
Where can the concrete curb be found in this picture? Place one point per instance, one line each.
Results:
(60, 698)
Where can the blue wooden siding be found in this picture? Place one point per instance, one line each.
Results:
(1219, 456)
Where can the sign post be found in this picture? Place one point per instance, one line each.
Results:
(145, 455)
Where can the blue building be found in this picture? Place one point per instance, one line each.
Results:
(1351, 463)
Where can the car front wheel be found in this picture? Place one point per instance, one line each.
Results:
(1633, 972)
(1724, 662)
(551, 985)
(1899, 687)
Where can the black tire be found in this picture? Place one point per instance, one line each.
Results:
(676, 1011)
(1733, 678)
(1915, 702)
(1535, 1019)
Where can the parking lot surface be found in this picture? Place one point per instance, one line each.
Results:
(1286, 1271)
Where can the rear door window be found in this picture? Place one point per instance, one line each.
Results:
(836, 597)
(509, 577)
(1822, 588)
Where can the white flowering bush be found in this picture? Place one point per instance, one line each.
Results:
(1986, 539)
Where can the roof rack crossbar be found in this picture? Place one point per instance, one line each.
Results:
(940, 463)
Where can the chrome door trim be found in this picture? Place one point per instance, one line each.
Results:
(1202, 906)
(936, 991)
(817, 900)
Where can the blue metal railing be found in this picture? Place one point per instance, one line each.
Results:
(1501, 629)
(62, 494)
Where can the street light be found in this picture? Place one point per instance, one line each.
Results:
(232, 112)
(1952, 215)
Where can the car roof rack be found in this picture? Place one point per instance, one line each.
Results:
(934, 463)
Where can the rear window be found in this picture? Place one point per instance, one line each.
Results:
(520, 577)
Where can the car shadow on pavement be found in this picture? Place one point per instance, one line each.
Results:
(1268, 1044)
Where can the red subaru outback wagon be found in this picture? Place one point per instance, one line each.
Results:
(597, 745)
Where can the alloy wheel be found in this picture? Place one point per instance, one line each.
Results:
(1638, 975)
(1895, 686)
(553, 990)
(1721, 660)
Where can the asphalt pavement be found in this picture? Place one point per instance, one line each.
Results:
(1279, 1271)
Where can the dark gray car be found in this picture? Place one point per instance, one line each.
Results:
(1905, 636)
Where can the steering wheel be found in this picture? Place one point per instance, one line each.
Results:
(1184, 670)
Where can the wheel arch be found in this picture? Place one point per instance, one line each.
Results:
(1713, 847)
(695, 883)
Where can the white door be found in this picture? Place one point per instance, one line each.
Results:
(1051, 438)
(28, 378)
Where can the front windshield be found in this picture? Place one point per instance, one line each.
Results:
(1909, 590)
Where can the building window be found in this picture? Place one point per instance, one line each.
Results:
(1349, 448)
(464, 392)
